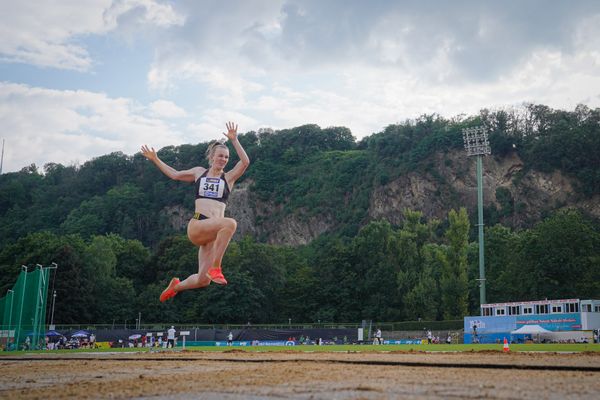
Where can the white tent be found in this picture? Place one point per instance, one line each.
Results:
(530, 329)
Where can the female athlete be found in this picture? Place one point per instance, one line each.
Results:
(208, 229)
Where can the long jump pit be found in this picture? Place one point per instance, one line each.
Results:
(238, 374)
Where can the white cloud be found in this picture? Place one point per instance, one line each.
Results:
(366, 66)
(43, 125)
(167, 109)
(142, 12)
(51, 34)
(283, 63)
(212, 124)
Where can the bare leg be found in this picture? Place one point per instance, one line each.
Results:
(200, 279)
(222, 241)
(217, 230)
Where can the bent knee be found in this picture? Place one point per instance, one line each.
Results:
(230, 224)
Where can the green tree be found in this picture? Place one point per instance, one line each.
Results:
(453, 284)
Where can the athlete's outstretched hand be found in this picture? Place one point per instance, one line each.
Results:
(231, 131)
(149, 153)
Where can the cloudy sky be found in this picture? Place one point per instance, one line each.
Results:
(82, 78)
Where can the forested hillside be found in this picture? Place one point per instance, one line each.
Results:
(331, 229)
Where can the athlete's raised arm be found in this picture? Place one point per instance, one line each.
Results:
(244, 162)
(189, 175)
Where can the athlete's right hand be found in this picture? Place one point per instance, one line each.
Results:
(149, 153)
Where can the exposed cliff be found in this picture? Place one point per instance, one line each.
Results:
(519, 198)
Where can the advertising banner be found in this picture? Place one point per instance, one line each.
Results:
(552, 322)
(481, 325)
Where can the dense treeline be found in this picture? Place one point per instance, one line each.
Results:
(305, 170)
(105, 224)
(383, 273)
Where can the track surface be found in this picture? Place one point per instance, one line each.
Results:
(242, 375)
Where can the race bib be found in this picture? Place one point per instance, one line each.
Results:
(211, 187)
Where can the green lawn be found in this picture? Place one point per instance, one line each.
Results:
(408, 348)
(357, 348)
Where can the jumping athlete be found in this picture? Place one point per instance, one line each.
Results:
(208, 229)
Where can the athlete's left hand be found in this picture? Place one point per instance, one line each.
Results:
(231, 131)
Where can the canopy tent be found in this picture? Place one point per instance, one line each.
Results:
(80, 334)
(53, 333)
(530, 330)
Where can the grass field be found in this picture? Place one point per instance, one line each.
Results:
(558, 348)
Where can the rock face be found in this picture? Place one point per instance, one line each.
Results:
(241, 207)
(521, 196)
(452, 183)
(177, 217)
(289, 229)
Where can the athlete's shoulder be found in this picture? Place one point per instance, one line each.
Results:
(198, 172)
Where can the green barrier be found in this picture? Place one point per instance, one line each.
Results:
(23, 311)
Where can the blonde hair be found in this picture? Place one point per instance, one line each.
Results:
(210, 152)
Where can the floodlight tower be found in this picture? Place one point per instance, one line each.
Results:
(476, 144)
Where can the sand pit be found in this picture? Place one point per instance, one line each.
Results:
(291, 375)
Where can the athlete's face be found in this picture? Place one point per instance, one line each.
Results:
(221, 157)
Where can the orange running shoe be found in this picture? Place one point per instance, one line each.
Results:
(169, 292)
(216, 275)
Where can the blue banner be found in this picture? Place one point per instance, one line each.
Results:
(552, 322)
(481, 325)
(405, 341)
(258, 343)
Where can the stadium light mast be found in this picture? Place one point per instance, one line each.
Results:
(2, 157)
(476, 144)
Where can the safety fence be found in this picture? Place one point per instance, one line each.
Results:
(23, 311)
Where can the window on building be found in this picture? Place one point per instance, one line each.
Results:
(500, 311)
(486, 311)
(572, 307)
(514, 310)
(586, 307)
(541, 309)
(557, 308)
(596, 308)
(528, 310)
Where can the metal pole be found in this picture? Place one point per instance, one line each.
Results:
(476, 144)
(53, 266)
(480, 226)
(139, 320)
(2, 158)
(12, 298)
(53, 302)
(21, 308)
(36, 321)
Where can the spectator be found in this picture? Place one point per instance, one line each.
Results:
(93, 341)
(171, 337)
(429, 337)
(378, 337)
(230, 339)
(449, 339)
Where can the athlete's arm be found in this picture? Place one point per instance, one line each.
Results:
(188, 175)
(244, 162)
